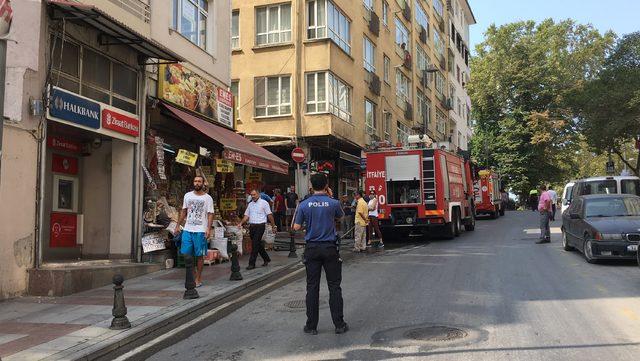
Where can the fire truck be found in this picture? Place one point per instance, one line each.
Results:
(487, 194)
(422, 189)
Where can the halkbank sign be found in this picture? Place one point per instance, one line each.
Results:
(73, 108)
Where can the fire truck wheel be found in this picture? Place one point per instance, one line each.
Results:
(471, 225)
(449, 229)
(458, 222)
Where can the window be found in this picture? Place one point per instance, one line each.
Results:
(421, 16)
(316, 19)
(368, 4)
(422, 60)
(438, 7)
(327, 93)
(370, 116)
(403, 85)
(441, 122)
(369, 53)
(630, 186)
(235, 88)
(273, 24)
(101, 78)
(339, 28)
(402, 35)
(423, 108)
(387, 69)
(190, 20)
(235, 29)
(317, 92)
(387, 125)
(439, 44)
(273, 96)
(403, 133)
(385, 13)
(439, 85)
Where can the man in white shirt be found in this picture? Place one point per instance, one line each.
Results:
(554, 202)
(257, 213)
(197, 212)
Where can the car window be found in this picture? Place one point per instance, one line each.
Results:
(566, 197)
(630, 186)
(612, 207)
(575, 206)
(607, 186)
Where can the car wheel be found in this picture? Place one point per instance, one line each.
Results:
(588, 252)
(565, 242)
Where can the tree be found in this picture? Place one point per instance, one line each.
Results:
(522, 75)
(608, 107)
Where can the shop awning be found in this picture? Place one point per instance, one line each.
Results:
(119, 33)
(237, 148)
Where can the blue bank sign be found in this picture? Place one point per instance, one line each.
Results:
(73, 108)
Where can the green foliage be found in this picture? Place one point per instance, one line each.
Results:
(522, 75)
(608, 107)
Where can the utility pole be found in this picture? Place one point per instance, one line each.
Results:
(6, 14)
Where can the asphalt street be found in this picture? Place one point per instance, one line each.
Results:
(491, 294)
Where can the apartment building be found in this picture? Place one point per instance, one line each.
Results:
(337, 76)
(82, 99)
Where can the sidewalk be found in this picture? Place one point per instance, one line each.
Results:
(77, 326)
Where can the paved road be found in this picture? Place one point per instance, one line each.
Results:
(515, 300)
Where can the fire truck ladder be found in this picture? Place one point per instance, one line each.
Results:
(429, 180)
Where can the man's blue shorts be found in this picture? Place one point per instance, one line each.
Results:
(193, 243)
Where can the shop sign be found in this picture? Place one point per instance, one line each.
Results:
(73, 108)
(253, 161)
(224, 166)
(228, 204)
(120, 123)
(254, 177)
(63, 164)
(63, 144)
(225, 107)
(179, 85)
(186, 157)
(64, 230)
(153, 241)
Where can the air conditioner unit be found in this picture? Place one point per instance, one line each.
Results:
(374, 84)
(408, 111)
(423, 34)
(374, 23)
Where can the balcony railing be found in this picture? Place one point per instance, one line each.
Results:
(138, 8)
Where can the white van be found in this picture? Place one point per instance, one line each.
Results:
(601, 185)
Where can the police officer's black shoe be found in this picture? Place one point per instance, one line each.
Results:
(251, 266)
(265, 264)
(311, 331)
(343, 329)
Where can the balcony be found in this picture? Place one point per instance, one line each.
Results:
(137, 8)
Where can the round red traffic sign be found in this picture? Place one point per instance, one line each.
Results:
(297, 154)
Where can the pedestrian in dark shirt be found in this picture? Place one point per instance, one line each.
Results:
(279, 209)
(291, 201)
(319, 212)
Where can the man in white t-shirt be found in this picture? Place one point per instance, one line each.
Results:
(257, 213)
(197, 212)
(554, 202)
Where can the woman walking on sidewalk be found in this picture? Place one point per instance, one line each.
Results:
(375, 236)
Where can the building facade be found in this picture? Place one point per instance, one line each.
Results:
(335, 76)
(82, 76)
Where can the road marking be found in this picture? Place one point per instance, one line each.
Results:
(630, 314)
(131, 355)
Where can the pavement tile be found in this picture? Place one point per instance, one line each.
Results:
(37, 333)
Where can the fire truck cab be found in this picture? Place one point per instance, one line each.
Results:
(420, 189)
(487, 193)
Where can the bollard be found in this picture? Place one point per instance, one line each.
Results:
(119, 312)
(292, 245)
(232, 249)
(189, 280)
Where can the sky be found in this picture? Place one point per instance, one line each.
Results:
(621, 16)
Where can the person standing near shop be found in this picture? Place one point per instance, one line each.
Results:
(347, 221)
(279, 208)
(197, 213)
(374, 227)
(291, 202)
(361, 220)
(320, 213)
(257, 213)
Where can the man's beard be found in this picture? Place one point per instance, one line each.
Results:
(197, 188)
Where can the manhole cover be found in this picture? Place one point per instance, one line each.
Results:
(296, 304)
(436, 333)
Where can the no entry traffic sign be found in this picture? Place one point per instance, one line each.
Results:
(297, 154)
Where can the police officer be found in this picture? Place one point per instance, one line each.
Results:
(319, 212)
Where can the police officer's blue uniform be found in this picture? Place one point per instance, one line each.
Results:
(319, 212)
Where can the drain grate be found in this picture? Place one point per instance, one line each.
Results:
(436, 334)
(295, 304)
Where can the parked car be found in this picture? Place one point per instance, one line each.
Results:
(606, 185)
(566, 196)
(603, 226)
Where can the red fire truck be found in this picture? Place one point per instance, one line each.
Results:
(487, 193)
(422, 190)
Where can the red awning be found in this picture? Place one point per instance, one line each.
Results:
(237, 148)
